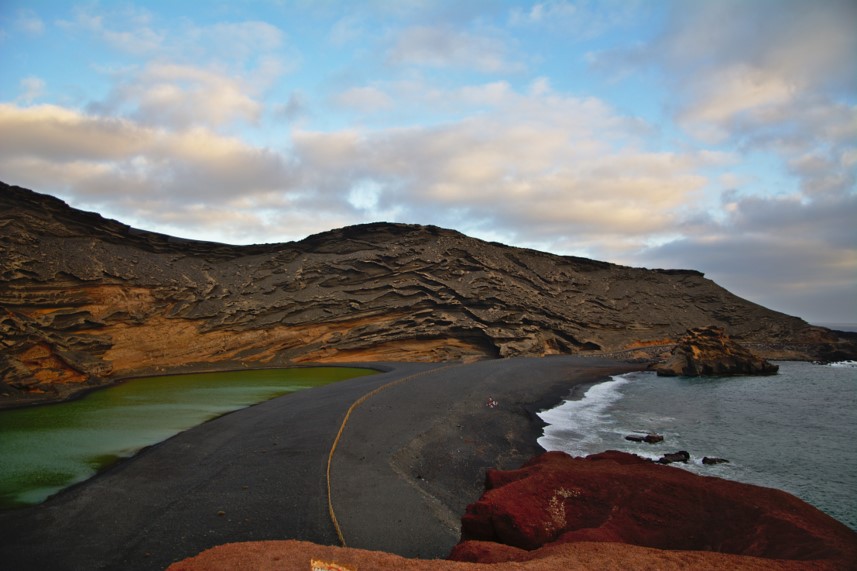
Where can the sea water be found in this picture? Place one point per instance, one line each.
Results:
(795, 431)
(45, 449)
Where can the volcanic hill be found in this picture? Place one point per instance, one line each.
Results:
(85, 300)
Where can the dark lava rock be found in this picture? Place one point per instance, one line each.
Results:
(680, 456)
(710, 461)
(647, 438)
(708, 351)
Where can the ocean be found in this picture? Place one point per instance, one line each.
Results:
(795, 431)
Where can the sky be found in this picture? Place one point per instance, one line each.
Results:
(716, 135)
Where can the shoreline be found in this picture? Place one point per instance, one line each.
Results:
(436, 462)
(193, 369)
(258, 473)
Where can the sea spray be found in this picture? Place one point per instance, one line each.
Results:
(573, 426)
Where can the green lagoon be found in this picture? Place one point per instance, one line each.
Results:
(47, 448)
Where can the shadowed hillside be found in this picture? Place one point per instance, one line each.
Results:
(86, 300)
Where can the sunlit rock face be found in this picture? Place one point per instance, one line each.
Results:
(620, 498)
(86, 300)
(708, 351)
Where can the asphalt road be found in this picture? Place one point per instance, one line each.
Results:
(410, 459)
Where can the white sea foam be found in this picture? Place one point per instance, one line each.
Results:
(572, 426)
(844, 364)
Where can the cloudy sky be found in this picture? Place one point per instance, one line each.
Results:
(717, 135)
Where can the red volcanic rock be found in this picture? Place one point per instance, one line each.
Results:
(618, 497)
(299, 555)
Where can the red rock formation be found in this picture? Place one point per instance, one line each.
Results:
(610, 511)
(618, 497)
(708, 351)
(297, 555)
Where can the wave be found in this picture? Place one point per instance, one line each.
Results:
(844, 364)
(573, 426)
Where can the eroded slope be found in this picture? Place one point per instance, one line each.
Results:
(86, 300)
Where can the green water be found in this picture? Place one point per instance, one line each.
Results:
(47, 448)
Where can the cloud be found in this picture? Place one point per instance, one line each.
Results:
(557, 169)
(234, 45)
(451, 47)
(575, 19)
(32, 88)
(346, 30)
(180, 96)
(365, 99)
(181, 74)
(795, 255)
(773, 75)
(127, 29)
(30, 23)
(543, 167)
(773, 80)
(295, 108)
(142, 172)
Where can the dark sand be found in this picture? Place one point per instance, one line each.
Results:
(411, 458)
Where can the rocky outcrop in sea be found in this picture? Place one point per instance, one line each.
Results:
(709, 351)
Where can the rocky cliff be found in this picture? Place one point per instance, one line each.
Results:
(616, 497)
(86, 300)
(708, 351)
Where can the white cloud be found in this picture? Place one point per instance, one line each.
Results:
(554, 169)
(772, 74)
(450, 47)
(140, 172)
(30, 23)
(541, 166)
(365, 99)
(55, 133)
(32, 88)
(127, 29)
(577, 19)
(346, 30)
(774, 79)
(238, 44)
(180, 96)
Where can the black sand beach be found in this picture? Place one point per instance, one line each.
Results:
(409, 461)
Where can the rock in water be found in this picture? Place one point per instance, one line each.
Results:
(708, 351)
(650, 438)
(617, 497)
(681, 456)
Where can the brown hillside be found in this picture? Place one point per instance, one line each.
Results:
(86, 300)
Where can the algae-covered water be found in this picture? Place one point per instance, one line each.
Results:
(47, 448)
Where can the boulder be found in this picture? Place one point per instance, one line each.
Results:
(620, 498)
(710, 461)
(680, 456)
(708, 351)
(647, 438)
